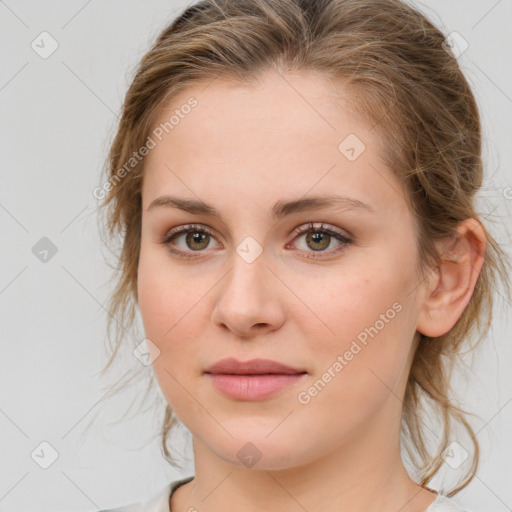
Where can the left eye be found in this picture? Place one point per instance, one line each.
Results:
(197, 238)
(320, 237)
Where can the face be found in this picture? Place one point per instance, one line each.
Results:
(334, 300)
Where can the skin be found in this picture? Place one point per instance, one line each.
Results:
(242, 149)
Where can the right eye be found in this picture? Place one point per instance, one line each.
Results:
(197, 238)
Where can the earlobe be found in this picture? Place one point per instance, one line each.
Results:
(452, 283)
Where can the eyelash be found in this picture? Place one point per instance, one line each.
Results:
(170, 236)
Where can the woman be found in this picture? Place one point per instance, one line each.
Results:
(294, 181)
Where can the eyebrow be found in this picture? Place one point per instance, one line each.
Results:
(280, 209)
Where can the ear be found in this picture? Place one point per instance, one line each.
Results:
(450, 286)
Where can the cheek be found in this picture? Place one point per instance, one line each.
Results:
(172, 305)
(159, 302)
(362, 366)
(349, 304)
(169, 305)
(368, 339)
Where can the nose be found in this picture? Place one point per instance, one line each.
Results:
(248, 300)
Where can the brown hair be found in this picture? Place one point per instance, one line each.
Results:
(403, 80)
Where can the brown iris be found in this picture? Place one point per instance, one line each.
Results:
(316, 238)
(197, 237)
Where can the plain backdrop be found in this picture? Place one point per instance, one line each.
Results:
(58, 113)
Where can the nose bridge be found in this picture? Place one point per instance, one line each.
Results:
(248, 272)
(245, 298)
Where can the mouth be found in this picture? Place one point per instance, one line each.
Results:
(256, 379)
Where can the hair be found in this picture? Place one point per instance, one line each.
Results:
(404, 81)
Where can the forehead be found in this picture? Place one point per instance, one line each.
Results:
(283, 135)
(274, 108)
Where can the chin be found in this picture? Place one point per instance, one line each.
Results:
(255, 449)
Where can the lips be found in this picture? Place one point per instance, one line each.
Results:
(257, 379)
(231, 366)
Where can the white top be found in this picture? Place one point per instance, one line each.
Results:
(160, 501)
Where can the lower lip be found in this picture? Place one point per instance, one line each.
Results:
(253, 387)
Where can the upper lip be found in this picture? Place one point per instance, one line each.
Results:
(251, 367)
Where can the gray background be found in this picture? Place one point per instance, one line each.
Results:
(58, 115)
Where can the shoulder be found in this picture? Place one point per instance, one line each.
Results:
(159, 502)
(445, 504)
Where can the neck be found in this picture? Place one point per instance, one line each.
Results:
(364, 474)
